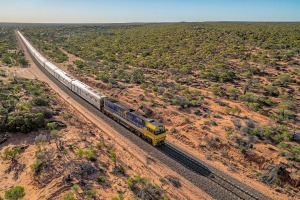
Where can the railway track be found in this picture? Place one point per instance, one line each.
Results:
(214, 184)
(194, 165)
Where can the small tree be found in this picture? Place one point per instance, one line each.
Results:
(15, 193)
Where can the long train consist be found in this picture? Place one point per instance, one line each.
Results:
(147, 128)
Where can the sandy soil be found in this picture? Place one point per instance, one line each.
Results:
(191, 135)
(129, 153)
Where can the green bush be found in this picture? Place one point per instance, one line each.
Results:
(25, 122)
(271, 90)
(220, 73)
(101, 179)
(216, 89)
(137, 76)
(119, 197)
(69, 196)
(255, 102)
(11, 153)
(233, 93)
(40, 101)
(283, 79)
(90, 193)
(17, 192)
(51, 125)
(90, 153)
(80, 64)
(255, 70)
(113, 156)
(37, 165)
(130, 182)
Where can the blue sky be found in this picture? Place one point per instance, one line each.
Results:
(107, 11)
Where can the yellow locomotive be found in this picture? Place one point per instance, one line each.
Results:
(148, 129)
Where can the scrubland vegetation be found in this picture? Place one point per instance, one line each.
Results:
(9, 55)
(231, 89)
(228, 91)
(45, 145)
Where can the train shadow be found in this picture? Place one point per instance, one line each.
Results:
(185, 160)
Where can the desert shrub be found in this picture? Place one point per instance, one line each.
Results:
(271, 90)
(90, 153)
(142, 188)
(119, 197)
(237, 122)
(25, 122)
(294, 154)
(34, 87)
(233, 93)
(160, 90)
(267, 131)
(80, 64)
(229, 132)
(6, 60)
(182, 101)
(103, 77)
(255, 102)
(212, 142)
(113, 156)
(221, 103)
(100, 144)
(174, 181)
(101, 179)
(187, 120)
(137, 76)
(214, 123)
(48, 114)
(276, 135)
(130, 182)
(233, 111)
(220, 73)
(285, 110)
(173, 130)
(40, 101)
(215, 87)
(55, 133)
(66, 115)
(90, 194)
(250, 123)
(283, 79)
(15, 193)
(255, 70)
(11, 153)
(26, 106)
(41, 138)
(69, 196)
(37, 165)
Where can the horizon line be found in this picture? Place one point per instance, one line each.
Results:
(149, 22)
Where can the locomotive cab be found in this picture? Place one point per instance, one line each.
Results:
(157, 131)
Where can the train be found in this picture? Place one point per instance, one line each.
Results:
(147, 128)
